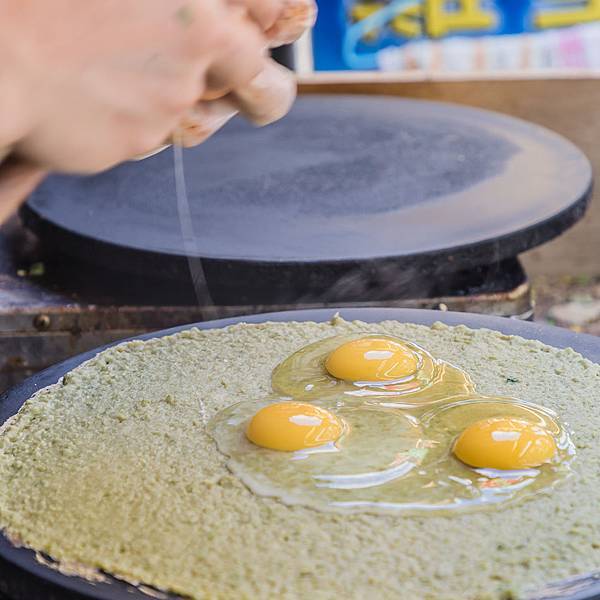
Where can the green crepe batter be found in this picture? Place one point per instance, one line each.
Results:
(113, 469)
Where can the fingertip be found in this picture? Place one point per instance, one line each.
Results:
(269, 96)
(264, 12)
(296, 17)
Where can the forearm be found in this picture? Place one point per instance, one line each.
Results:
(17, 180)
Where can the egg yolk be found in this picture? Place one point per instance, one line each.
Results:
(291, 426)
(373, 360)
(504, 443)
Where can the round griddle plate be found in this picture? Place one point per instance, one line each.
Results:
(26, 579)
(341, 183)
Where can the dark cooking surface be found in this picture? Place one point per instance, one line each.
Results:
(27, 579)
(53, 307)
(342, 182)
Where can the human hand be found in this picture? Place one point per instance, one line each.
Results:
(88, 85)
(101, 81)
(266, 98)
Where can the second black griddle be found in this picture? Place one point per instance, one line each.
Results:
(27, 576)
(344, 188)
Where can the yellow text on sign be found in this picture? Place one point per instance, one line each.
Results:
(572, 12)
(436, 18)
(407, 22)
(443, 17)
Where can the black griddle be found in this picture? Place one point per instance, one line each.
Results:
(22, 577)
(345, 189)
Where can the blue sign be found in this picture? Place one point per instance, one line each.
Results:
(352, 34)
